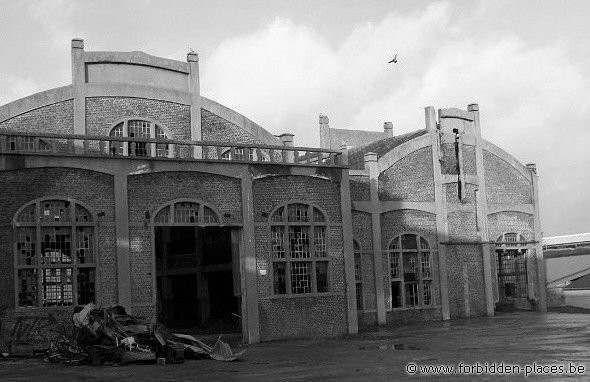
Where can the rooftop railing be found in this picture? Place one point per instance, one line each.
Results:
(12, 142)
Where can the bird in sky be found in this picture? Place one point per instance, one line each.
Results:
(394, 60)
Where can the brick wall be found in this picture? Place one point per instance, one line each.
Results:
(93, 189)
(510, 221)
(103, 112)
(504, 184)
(410, 179)
(56, 118)
(469, 164)
(362, 229)
(362, 233)
(471, 255)
(299, 316)
(148, 192)
(360, 188)
(215, 128)
(448, 163)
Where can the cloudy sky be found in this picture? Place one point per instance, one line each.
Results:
(281, 63)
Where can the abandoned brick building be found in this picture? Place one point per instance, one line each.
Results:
(128, 187)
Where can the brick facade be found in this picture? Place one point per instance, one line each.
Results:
(102, 113)
(57, 118)
(504, 184)
(409, 179)
(360, 188)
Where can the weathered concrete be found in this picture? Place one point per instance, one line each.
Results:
(514, 338)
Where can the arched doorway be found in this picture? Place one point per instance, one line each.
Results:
(197, 269)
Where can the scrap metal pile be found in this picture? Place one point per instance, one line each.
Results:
(111, 336)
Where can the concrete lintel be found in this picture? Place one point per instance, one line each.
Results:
(451, 178)
(137, 91)
(455, 113)
(136, 58)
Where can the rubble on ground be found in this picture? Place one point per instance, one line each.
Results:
(104, 336)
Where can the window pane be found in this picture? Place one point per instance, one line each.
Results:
(82, 214)
(409, 242)
(319, 241)
(394, 265)
(28, 215)
(26, 246)
(299, 242)
(359, 296)
(318, 216)
(321, 272)
(357, 267)
(56, 245)
(139, 129)
(423, 243)
(86, 285)
(163, 216)
(411, 293)
(300, 277)
(425, 262)
(427, 285)
(277, 247)
(186, 212)
(55, 211)
(209, 216)
(277, 216)
(396, 295)
(57, 287)
(84, 245)
(297, 213)
(394, 245)
(279, 278)
(27, 282)
(410, 267)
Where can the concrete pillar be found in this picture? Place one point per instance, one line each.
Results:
(122, 234)
(441, 211)
(388, 129)
(79, 86)
(541, 276)
(325, 132)
(287, 140)
(347, 247)
(194, 88)
(250, 317)
(372, 166)
(482, 211)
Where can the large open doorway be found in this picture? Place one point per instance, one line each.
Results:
(511, 265)
(198, 279)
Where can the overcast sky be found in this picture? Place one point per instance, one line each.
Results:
(281, 63)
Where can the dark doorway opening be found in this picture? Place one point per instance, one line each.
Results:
(198, 279)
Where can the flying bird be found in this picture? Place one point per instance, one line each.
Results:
(394, 60)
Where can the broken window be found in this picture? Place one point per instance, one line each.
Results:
(410, 272)
(189, 213)
(54, 246)
(299, 249)
(134, 128)
(358, 276)
(511, 263)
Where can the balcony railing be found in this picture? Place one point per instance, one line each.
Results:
(12, 142)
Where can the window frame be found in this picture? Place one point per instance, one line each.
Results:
(421, 279)
(38, 225)
(151, 148)
(358, 275)
(288, 260)
(522, 246)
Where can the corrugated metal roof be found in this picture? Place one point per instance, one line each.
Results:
(567, 239)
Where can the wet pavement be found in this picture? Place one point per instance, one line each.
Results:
(525, 339)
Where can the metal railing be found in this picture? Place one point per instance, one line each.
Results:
(12, 142)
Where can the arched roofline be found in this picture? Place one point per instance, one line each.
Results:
(135, 58)
(35, 101)
(506, 157)
(405, 149)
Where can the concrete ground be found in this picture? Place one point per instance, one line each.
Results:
(522, 338)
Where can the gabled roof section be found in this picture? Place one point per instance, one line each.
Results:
(356, 155)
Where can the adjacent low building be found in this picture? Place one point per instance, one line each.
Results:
(129, 187)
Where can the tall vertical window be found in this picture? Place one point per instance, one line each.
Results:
(55, 261)
(299, 250)
(134, 128)
(410, 272)
(358, 274)
(511, 254)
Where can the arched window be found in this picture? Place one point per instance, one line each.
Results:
(186, 212)
(511, 253)
(299, 250)
(135, 128)
(358, 275)
(55, 260)
(246, 154)
(410, 271)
